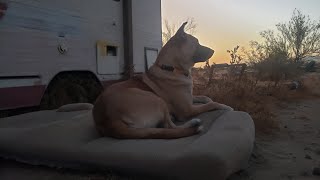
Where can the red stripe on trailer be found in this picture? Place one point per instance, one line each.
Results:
(3, 7)
(17, 97)
(28, 96)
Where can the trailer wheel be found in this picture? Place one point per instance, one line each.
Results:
(71, 88)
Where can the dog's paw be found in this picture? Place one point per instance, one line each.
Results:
(229, 108)
(225, 107)
(192, 123)
(200, 129)
(202, 99)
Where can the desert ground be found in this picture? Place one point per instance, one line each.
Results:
(290, 152)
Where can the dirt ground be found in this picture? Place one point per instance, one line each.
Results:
(292, 152)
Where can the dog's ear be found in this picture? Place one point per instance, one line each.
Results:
(180, 31)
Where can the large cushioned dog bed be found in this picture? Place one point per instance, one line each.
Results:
(70, 140)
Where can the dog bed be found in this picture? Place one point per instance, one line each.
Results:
(70, 140)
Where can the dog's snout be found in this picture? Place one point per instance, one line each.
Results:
(211, 52)
(202, 54)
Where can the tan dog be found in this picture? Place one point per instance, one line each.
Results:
(140, 108)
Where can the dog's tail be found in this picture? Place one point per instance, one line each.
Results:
(154, 133)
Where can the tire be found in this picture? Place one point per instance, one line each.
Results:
(71, 88)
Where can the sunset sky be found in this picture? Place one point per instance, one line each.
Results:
(223, 24)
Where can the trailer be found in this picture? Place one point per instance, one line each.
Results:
(65, 51)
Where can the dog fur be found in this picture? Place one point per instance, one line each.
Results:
(141, 107)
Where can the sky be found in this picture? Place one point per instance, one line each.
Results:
(224, 24)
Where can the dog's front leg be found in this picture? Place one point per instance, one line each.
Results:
(201, 108)
(201, 99)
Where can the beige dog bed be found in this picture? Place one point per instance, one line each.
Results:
(69, 140)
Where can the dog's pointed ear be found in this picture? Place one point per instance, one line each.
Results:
(181, 29)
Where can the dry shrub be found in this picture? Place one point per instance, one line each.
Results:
(311, 83)
(277, 68)
(258, 98)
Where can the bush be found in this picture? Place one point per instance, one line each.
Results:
(245, 93)
(276, 70)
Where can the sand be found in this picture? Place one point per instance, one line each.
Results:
(293, 151)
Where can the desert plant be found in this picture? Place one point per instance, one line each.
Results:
(278, 56)
(273, 68)
(236, 67)
(297, 39)
(241, 94)
(234, 55)
(302, 35)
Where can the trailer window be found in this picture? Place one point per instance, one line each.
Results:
(150, 55)
(111, 51)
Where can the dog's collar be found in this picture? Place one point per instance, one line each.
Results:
(172, 69)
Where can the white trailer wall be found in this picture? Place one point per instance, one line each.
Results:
(31, 31)
(146, 29)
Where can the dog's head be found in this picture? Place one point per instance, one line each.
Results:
(183, 51)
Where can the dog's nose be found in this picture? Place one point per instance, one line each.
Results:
(211, 52)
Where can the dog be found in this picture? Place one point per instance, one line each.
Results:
(141, 108)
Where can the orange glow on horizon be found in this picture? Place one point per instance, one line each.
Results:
(224, 24)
